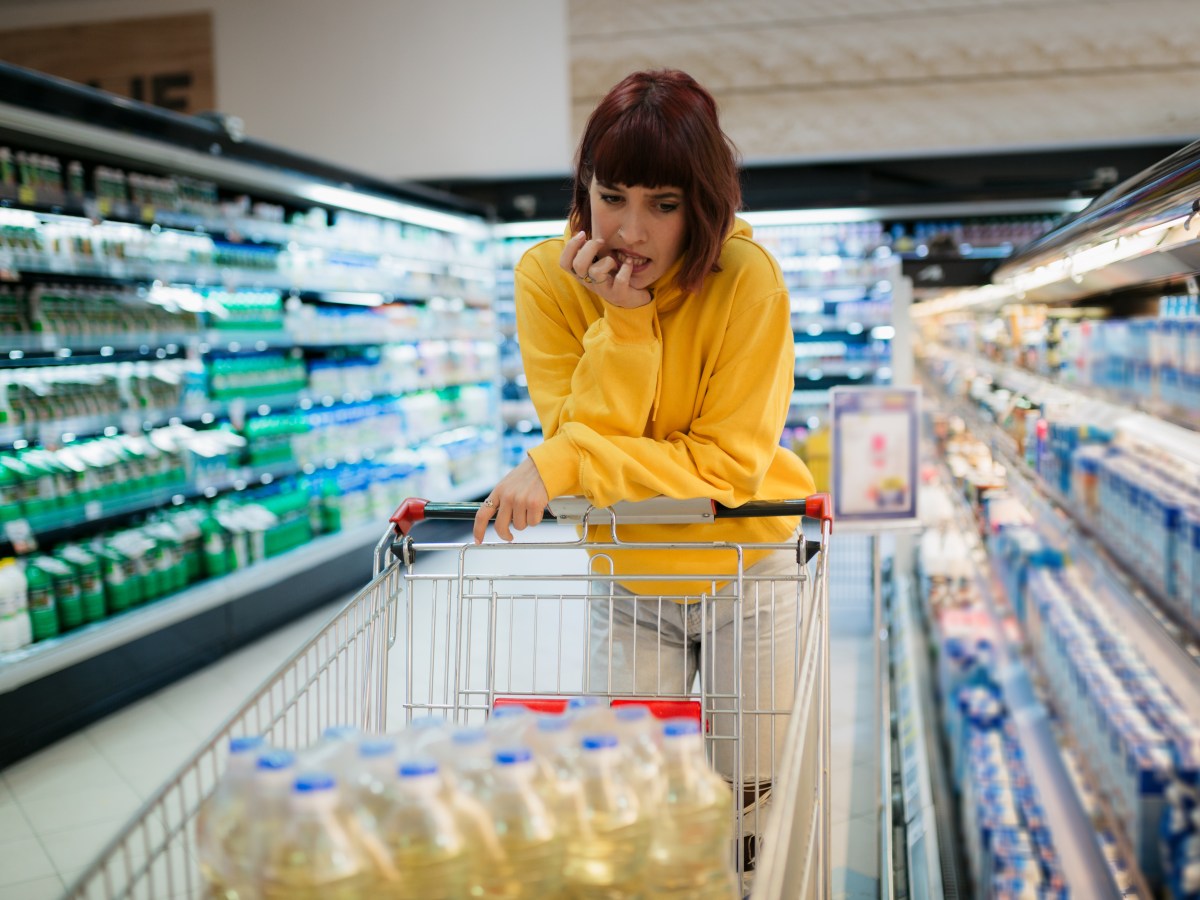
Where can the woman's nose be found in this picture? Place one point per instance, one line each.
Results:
(632, 230)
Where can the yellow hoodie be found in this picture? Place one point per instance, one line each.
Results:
(685, 397)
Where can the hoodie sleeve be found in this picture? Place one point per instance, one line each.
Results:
(607, 380)
(726, 451)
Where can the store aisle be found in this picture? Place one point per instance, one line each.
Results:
(60, 806)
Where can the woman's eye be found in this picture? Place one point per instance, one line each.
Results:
(610, 198)
(668, 207)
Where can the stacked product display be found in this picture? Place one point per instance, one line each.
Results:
(1067, 414)
(208, 360)
(590, 803)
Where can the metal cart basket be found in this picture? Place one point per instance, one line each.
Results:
(457, 630)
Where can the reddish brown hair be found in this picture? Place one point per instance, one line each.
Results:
(655, 129)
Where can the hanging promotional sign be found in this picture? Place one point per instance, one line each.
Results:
(874, 454)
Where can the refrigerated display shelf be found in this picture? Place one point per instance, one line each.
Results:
(45, 657)
(1170, 644)
(1124, 403)
(54, 432)
(98, 515)
(233, 229)
(1074, 831)
(27, 349)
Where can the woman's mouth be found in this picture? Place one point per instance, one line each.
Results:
(636, 263)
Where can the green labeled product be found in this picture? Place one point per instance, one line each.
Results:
(216, 547)
(43, 617)
(118, 587)
(331, 508)
(91, 580)
(66, 591)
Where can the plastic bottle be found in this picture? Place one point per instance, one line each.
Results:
(606, 852)
(425, 848)
(67, 598)
(689, 849)
(43, 614)
(638, 734)
(225, 811)
(91, 583)
(529, 861)
(15, 628)
(314, 856)
(237, 860)
(336, 752)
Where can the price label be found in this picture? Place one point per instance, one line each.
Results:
(148, 213)
(104, 206)
(26, 195)
(20, 535)
(93, 510)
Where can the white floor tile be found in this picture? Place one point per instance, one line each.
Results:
(146, 769)
(84, 806)
(42, 776)
(14, 825)
(143, 724)
(74, 848)
(23, 860)
(49, 888)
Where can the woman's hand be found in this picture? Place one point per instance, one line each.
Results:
(583, 259)
(519, 501)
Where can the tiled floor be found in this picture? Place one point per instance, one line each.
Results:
(59, 807)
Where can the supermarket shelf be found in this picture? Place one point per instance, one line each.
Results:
(1146, 411)
(1083, 864)
(932, 872)
(1168, 645)
(41, 659)
(46, 657)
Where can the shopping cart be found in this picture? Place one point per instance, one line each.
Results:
(458, 630)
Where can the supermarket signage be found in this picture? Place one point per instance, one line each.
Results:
(874, 454)
(166, 60)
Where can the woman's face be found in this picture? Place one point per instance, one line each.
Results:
(642, 226)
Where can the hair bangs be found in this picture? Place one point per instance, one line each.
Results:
(639, 150)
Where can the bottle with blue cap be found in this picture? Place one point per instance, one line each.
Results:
(225, 811)
(689, 848)
(245, 837)
(528, 844)
(638, 734)
(426, 851)
(313, 855)
(606, 847)
(335, 752)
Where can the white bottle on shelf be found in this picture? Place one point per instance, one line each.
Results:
(16, 631)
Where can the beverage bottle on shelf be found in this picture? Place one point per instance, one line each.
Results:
(426, 853)
(528, 845)
(43, 614)
(225, 810)
(91, 582)
(313, 855)
(689, 849)
(606, 849)
(66, 591)
(16, 631)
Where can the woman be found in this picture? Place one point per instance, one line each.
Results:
(657, 342)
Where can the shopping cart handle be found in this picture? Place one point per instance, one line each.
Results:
(815, 506)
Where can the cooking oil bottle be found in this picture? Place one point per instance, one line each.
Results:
(690, 855)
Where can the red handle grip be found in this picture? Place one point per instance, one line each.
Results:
(408, 514)
(820, 506)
